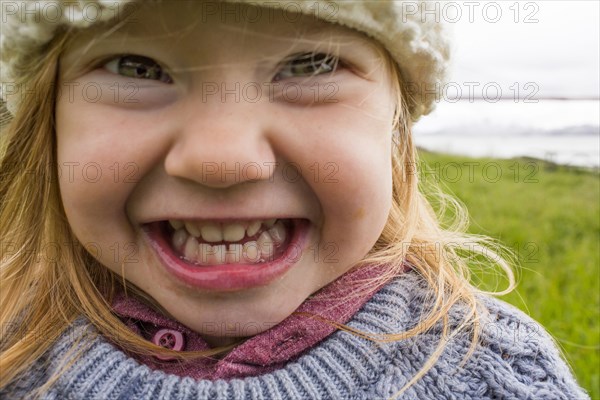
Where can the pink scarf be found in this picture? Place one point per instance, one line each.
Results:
(268, 350)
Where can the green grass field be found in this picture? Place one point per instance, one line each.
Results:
(550, 216)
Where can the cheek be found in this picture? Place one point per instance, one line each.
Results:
(99, 163)
(358, 196)
(352, 177)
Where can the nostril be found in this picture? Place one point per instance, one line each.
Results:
(221, 159)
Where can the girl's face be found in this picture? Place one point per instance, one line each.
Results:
(223, 119)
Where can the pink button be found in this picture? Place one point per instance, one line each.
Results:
(169, 339)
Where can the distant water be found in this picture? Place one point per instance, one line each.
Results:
(564, 132)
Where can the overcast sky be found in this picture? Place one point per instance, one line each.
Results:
(559, 53)
(555, 55)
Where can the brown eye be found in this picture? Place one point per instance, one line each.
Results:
(138, 67)
(308, 64)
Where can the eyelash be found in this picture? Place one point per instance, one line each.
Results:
(321, 63)
(130, 60)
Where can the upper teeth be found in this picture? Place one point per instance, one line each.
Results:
(230, 232)
(190, 238)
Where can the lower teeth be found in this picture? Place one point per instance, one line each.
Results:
(204, 261)
(259, 261)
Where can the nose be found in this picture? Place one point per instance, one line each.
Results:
(221, 143)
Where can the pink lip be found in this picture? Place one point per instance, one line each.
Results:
(228, 277)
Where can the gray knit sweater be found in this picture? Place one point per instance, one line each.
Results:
(515, 359)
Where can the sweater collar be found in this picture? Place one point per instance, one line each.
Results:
(342, 366)
(262, 353)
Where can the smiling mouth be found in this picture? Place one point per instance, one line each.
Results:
(228, 256)
(242, 242)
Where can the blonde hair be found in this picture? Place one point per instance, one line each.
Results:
(40, 292)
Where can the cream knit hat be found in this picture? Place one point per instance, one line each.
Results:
(418, 44)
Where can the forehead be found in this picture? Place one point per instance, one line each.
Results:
(224, 24)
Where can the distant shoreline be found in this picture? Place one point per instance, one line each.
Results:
(573, 150)
(545, 164)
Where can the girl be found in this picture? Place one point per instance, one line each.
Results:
(219, 200)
